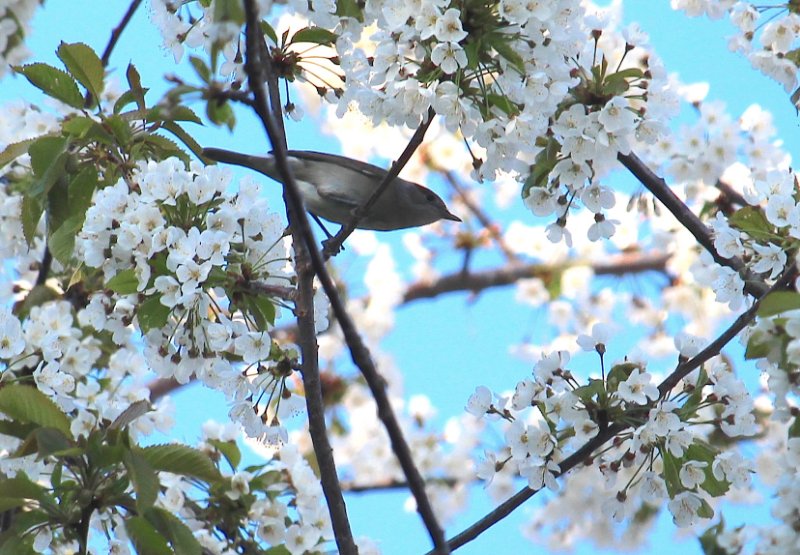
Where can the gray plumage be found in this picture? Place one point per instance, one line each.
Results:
(334, 186)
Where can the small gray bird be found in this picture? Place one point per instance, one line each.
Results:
(334, 186)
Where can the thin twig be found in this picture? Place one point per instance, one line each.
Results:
(584, 453)
(656, 185)
(334, 245)
(116, 33)
(254, 68)
(491, 228)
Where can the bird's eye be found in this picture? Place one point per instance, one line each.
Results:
(430, 197)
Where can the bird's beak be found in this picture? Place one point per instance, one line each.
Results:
(452, 217)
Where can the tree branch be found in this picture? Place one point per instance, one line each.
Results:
(301, 231)
(656, 185)
(584, 453)
(116, 32)
(254, 67)
(476, 282)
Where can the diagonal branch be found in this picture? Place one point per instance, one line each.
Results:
(302, 234)
(656, 185)
(116, 32)
(333, 245)
(304, 308)
(584, 453)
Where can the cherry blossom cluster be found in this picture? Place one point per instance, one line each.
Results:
(665, 455)
(15, 17)
(293, 513)
(526, 85)
(68, 365)
(590, 112)
(178, 253)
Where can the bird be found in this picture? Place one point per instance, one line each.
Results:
(333, 187)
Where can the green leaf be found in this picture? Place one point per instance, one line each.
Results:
(162, 148)
(8, 503)
(135, 83)
(16, 429)
(87, 129)
(50, 441)
(229, 450)
(28, 404)
(221, 113)
(543, 164)
(124, 99)
(181, 113)
(267, 29)
(619, 82)
(120, 129)
(705, 510)
(503, 103)
(181, 459)
(630, 73)
(229, 10)
(53, 82)
(708, 541)
(37, 296)
(143, 477)
(152, 314)
(145, 537)
(84, 65)
(81, 190)
(14, 151)
(262, 309)
(778, 302)
(757, 348)
(620, 373)
(78, 126)
(172, 528)
(752, 221)
(124, 283)
(794, 428)
(137, 409)
(672, 467)
(21, 487)
(317, 35)
(184, 137)
(501, 44)
(471, 49)
(349, 8)
(48, 160)
(699, 451)
(62, 240)
(203, 71)
(12, 542)
(793, 55)
(32, 209)
(595, 388)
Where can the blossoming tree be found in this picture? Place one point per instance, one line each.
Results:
(134, 264)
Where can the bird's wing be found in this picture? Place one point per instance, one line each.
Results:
(369, 170)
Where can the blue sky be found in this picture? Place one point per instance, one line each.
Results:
(695, 48)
